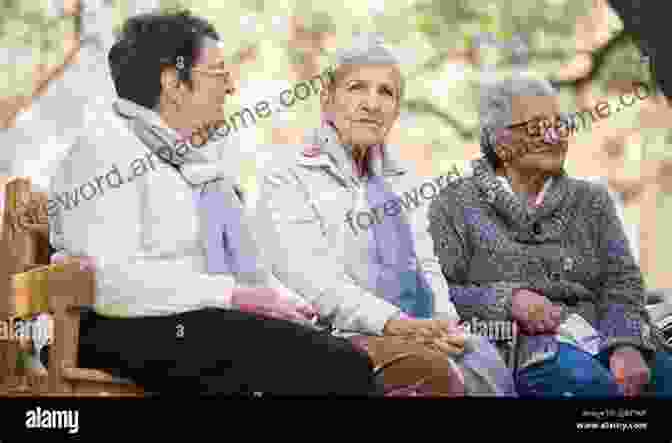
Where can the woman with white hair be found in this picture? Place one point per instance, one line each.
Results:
(520, 240)
(336, 234)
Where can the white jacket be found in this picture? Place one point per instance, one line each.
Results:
(302, 211)
(143, 234)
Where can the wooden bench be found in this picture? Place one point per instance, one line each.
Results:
(31, 286)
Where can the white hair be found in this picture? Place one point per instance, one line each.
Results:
(496, 101)
(496, 106)
(367, 49)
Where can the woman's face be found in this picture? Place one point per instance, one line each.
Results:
(213, 79)
(364, 103)
(536, 141)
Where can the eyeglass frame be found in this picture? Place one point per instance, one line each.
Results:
(212, 72)
(563, 116)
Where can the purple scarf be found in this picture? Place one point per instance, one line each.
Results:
(222, 222)
(392, 254)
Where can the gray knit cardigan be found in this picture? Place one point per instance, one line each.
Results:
(572, 249)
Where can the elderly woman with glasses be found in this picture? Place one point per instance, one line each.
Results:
(521, 240)
(341, 232)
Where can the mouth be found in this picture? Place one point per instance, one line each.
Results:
(550, 150)
(368, 122)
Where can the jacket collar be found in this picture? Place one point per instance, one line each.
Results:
(324, 150)
(149, 117)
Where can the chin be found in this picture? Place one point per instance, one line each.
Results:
(553, 168)
(366, 138)
(367, 141)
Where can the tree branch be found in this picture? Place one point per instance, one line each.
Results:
(598, 57)
(424, 107)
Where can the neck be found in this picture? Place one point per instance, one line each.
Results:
(524, 182)
(360, 158)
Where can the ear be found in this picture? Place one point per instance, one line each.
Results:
(170, 84)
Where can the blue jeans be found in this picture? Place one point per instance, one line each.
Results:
(574, 373)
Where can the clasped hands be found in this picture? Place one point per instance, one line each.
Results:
(537, 315)
(445, 336)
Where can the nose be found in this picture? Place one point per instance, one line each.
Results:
(371, 102)
(231, 81)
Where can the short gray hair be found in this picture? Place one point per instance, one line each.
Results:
(367, 49)
(496, 105)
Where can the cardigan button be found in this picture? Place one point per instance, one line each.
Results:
(572, 300)
(536, 228)
(568, 264)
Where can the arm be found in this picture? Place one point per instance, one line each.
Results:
(133, 234)
(430, 266)
(448, 232)
(622, 317)
(302, 257)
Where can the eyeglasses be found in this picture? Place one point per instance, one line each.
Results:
(543, 123)
(212, 72)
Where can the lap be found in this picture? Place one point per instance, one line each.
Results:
(572, 372)
(661, 375)
(411, 363)
(270, 355)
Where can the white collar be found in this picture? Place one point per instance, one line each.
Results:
(325, 149)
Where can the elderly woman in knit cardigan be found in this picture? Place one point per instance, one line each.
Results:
(518, 239)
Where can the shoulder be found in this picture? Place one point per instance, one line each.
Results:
(590, 191)
(458, 190)
(286, 172)
(286, 163)
(107, 137)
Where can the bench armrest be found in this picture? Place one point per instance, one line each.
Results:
(51, 288)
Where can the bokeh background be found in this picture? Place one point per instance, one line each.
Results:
(53, 78)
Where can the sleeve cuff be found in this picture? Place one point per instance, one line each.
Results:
(378, 315)
(369, 317)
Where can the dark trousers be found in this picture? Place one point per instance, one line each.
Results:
(217, 351)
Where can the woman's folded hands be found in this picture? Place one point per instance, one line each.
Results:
(270, 302)
(445, 336)
(85, 263)
(535, 313)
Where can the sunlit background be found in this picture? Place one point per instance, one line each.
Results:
(53, 77)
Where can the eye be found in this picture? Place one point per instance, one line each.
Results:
(388, 91)
(355, 87)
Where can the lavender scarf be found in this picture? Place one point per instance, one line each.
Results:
(228, 242)
(392, 254)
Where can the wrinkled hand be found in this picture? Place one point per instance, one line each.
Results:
(630, 370)
(270, 303)
(444, 335)
(431, 328)
(85, 263)
(535, 313)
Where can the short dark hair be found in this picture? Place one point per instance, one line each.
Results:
(148, 44)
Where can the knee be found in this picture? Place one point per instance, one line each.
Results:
(430, 373)
(353, 367)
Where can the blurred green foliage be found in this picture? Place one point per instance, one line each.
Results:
(441, 100)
